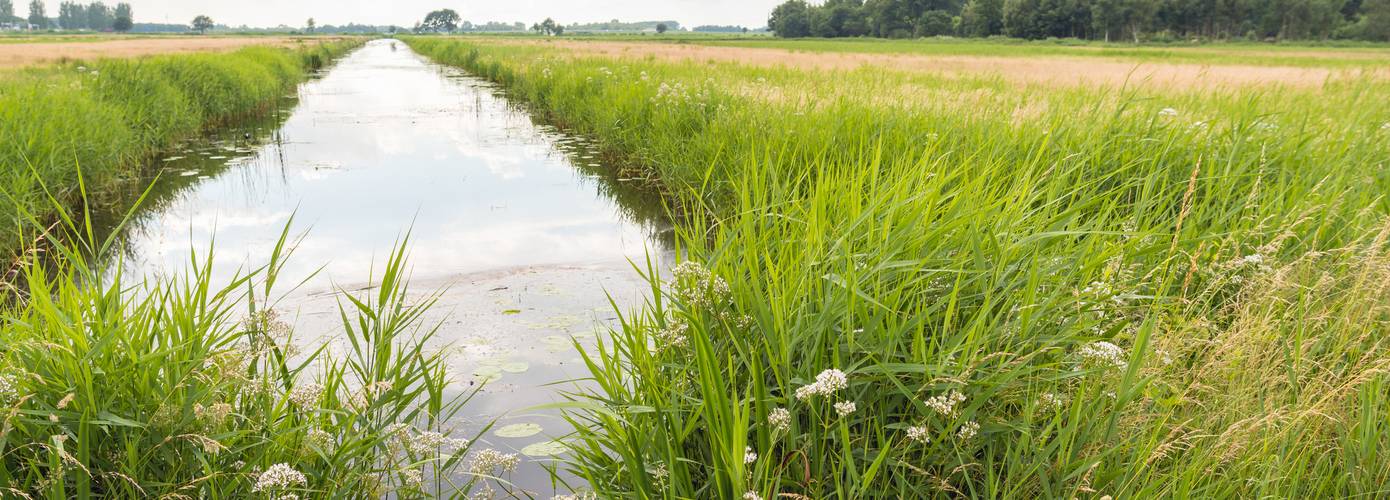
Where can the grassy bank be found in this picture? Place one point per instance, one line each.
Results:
(187, 388)
(903, 284)
(104, 119)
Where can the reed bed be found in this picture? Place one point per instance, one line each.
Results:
(103, 120)
(907, 285)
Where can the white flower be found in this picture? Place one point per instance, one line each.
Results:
(749, 456)
(750, 495)
(306, 396)
(968, 430)
(1386, 126)
(321, 440)
(673, 336)
(780, 419)
(214, 415)
(945, 404)
(844, 408)
(1254, 258)
(488, 460)
(827, 383)
(279, 476)
(1168, 112)
(412, 477)
(9, 390)
(1051, 401)
(1104, 354)
(919, 434)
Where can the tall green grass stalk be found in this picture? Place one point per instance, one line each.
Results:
(911, 285)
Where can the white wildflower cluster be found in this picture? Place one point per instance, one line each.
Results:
(673, 336)
(587, 495)
(412, 477)
(306, 396)
(698, 286)
(212, 416)
(431, 442)
(749, 456)
(279, 476)
(546, 73)
(1385, 126)
(320, 440)
(968, 430)
(827, 383)
(361, 401)
(1102, 354)
(780, 419)
(489, 460)
(845, 408)
(919, 434)
(1168, 113)
(677, 94)
(752, 495)
(9, 390)
(1050, 401)
(946, 404)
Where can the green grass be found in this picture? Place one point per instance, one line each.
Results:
(184, 387)
(103, 120)
(1138, 292)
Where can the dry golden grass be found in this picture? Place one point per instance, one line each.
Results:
(1048, 70)
(35, 53)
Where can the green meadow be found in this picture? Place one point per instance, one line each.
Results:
(904, 284)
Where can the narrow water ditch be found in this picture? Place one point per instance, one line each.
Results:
(522, 227)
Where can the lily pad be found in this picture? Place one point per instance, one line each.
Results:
(518, 430)
(516, 367)
(556, 343)
(487, 373)
(544, 449)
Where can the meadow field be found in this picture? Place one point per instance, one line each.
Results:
(924, 280)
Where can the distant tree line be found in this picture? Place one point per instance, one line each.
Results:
(95, 16)
(719, 29)
(1118, 20)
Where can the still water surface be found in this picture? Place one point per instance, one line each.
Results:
(515, 218)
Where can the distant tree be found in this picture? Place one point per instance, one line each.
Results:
(550, 27)
(442, 20)
(99, 17)
(661, 28)
(125, 18)
(982, 18)
(6, 10)
(1376, 20)
(72, 16)
(202, 24)
(309, 25)
(536, 27)
(37, 17)
(791, 19)
(934, 23)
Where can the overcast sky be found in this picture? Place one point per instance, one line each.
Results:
(690, 13)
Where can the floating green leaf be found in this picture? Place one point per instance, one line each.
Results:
(518, 430)
(544, 449)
